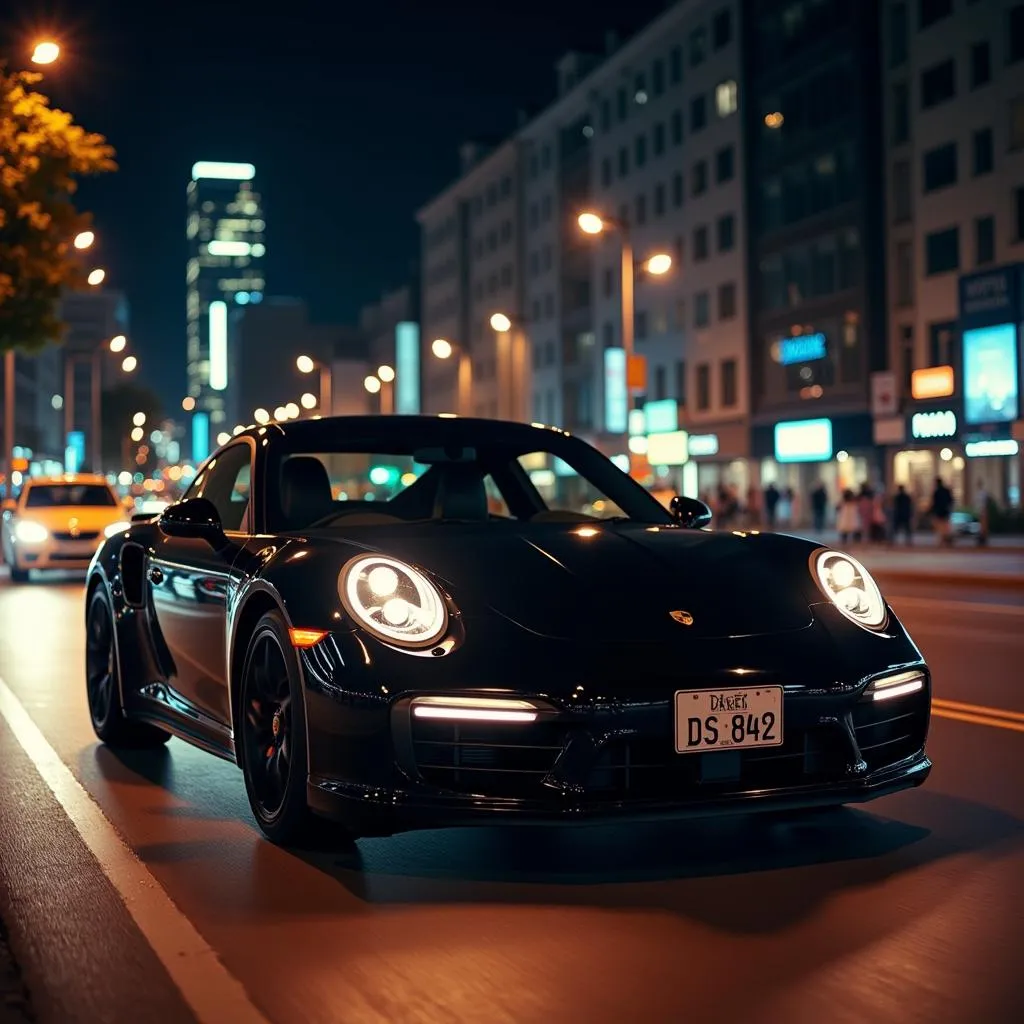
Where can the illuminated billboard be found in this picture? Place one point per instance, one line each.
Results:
(616, 395)
(407, 368)
(803, 441)
(933, 382)
(991, 374)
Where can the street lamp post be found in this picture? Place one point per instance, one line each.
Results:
(444, 349)
(512, 363)
(307, 364)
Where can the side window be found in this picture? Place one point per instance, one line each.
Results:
(225, 482)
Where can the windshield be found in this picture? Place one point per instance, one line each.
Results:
(49, 495)
(533, 481)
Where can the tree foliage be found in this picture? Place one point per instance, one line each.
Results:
(42, 152)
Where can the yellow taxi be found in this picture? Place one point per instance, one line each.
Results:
(59, 522)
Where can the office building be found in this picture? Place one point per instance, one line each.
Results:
(471, 260)
(816, 249)
(954, 163)
(225, 232)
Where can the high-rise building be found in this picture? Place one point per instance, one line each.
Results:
(816, 253)
(954, 162)
(225, 232)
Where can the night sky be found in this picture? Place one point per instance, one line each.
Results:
(351, 112)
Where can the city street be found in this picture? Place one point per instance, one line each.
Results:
(899, 911)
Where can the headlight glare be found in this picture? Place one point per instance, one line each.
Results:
(30, 533)
(115, 528)
(393, 601)
(849, 586)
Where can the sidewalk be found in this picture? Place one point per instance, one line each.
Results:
(1001, 563)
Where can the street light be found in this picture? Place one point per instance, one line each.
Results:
(84, 239)
(45, 52)
(441, 348)
(261, 416)
(590, 223)
(386, 373)
(129, 363)
(308, 400)
(137, 433)
(307, 364)
(372, 384)
(139, 419)
(280, 413)
(96, 276)
(292, 409)
(501, 323)
(118, 343)
(658, 264)
(188, 403)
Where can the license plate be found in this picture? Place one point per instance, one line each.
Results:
(728, 719)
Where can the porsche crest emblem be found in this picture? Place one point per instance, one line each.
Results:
(683, 618)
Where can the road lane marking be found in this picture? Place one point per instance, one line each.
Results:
(211, 992)
(977, 714)
(928, 603)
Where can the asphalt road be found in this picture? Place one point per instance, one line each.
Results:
(137, 888)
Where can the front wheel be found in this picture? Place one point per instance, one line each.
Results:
(273, 740)
(102, 676)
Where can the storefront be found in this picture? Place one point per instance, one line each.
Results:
(720, 456)
(930, 448)
(796, 456)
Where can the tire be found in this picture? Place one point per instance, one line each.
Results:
(102, 679)
(19, 575)
(272, 748)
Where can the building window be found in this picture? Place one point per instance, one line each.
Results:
(721, 29)
(984, 240)
(724, 164)
(981, 64)
(606, 115)
(700, 243)
(623, 161)
(901, 204)
(677, 190)
(1016, 128)
(675, 65)
(1016, 35)
(726, 100)
(640, 324)
(907, 354)
(677, 127)
(904, 274)
(658, 77)
(606, 172)
(698, 46)
(942, 251)
(941, 343)
(938, 84)
(900, 113)
(681, 381)
(609, 282)
(659, 200)
(703, 387)
(939, 167)
(621, 105)
(640, 148)
(726, 233)
(659, 138)
(984, 157)
(659, 383)
(726, 301)
(931, 11)
(898, 33)
(699, 183)
(728, 383)
(698, 113)
(641, 209)
(701, 309)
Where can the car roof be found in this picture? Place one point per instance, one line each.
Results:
(66, 478)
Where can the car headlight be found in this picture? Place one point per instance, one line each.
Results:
(393, 601)
(30, 533)
(850, 588)
(114, 529)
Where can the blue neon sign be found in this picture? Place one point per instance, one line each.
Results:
(804, 348)
(200, 437)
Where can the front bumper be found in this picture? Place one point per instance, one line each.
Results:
(57, 553)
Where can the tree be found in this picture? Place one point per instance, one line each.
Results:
(120, 403)
(42, 151)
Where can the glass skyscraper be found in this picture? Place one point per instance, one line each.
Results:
(225, 231)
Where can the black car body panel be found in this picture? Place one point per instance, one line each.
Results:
(581, 622)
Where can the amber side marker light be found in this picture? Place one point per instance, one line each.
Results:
(306, 637)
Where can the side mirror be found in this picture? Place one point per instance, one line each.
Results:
(196, 517)
(689, 512)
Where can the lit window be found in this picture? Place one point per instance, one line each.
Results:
(726, 98)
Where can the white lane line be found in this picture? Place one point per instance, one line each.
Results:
(210, 991)
(937, 604)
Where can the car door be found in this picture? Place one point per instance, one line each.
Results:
(190, 581)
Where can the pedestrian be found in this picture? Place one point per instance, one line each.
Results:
(982, 504)
(903, 515)
(819, 503)
(771, 503)
(941, 510)
(848, 518)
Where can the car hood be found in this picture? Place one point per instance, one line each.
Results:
(69, 518)
(561, 581)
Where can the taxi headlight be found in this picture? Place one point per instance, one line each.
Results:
(393, 601)
(849, 586)
(114, 529)
(30, 533)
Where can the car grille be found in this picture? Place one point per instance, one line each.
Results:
(889, 730)
(483, 758)
(84, 535)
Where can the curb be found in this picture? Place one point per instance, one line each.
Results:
(968, 579)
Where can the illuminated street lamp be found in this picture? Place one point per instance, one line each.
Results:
(372, 384)
(658, 264)
(501, 323)
(308, 400)
(137, 434)
(444, 349)
(386, 373)
(84, 239)
(441, 347)
(129, 364)
(96, 276)
(590, 223)
(292, 409)
(223, 437)
(280, 413)
(139, 419)
(118, 343)
(188, 403)
(261, 416)
(46, 52)
(307, 364)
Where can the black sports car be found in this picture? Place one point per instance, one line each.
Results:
(413, 622)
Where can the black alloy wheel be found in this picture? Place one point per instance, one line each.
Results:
(102, 676)
(272, 731)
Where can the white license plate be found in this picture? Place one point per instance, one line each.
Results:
(728, 719)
